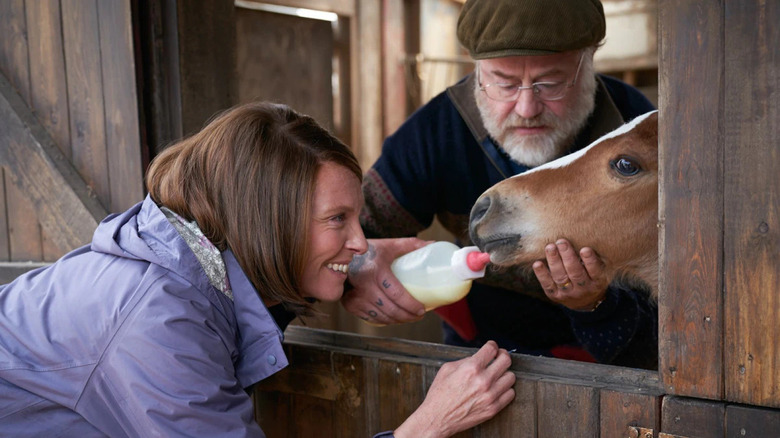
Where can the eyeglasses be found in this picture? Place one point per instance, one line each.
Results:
(542, 90)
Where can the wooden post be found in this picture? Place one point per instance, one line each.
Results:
(691, 148)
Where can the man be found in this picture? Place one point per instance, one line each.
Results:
(533, 97)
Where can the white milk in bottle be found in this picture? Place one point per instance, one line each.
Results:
(440, 273)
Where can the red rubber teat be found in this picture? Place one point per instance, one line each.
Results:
(476, 261)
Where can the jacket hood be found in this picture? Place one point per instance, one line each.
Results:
(144, 233)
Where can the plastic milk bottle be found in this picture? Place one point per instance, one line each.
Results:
(440, 273)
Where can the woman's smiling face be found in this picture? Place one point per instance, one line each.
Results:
(335, 234)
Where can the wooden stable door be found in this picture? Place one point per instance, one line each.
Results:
(347, 385)
(719, 276)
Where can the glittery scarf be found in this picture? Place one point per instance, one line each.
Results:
(207, 254)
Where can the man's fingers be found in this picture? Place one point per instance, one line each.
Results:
(544, 277)
(555, 264)
(592, 262)
(401, 309)
(404, 306)
(575, 271)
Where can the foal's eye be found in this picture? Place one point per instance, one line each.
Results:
(625, 166)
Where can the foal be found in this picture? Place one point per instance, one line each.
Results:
(604, 196)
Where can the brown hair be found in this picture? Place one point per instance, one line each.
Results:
(247, 179)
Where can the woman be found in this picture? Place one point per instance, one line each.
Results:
(179, 304)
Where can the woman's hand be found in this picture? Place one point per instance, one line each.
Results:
(464, 394)
(377, 296)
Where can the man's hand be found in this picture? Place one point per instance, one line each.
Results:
(378, 297)
(576, 281)
(463, 394)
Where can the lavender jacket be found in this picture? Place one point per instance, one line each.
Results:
(127, 337)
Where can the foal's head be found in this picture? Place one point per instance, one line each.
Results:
(604, 196)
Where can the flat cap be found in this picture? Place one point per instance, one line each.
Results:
(498, 28)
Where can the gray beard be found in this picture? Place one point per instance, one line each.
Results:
(534, 150)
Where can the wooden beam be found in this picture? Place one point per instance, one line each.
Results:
(691, 150)
(207, 60)
(689, 417)
(394, 99)
(751, 223)
(349, 385)
(67, 208)
(367, 82)
(430, 354)
(123, 138)
(21, 236)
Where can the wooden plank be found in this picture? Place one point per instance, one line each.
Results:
(301, 381)
(314, 417)
(286, 59)
(367, 82)
(81, 36)
(401, 391)
(517, 420)
(435, 354)
(371, 392)
(414, 13)
(567, 410)
(158, 45)
(311, 375)
(306, 387)
(751, 206)
(350, 410)
(619, 410)
(379, 382)
(207, 60)
(14, 61)
(327, 388)
(24, 233)
(67, 209)
(47, 71)
(21, 233)
(691, 147)
(342, 100)
(751, 422)
(51, 252)
(48, 89)
(692, 418)
(275, 413)
(123, 138)
(394, 99)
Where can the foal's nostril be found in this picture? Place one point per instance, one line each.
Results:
(479, 209)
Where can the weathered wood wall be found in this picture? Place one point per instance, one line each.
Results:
(347, 385)
(720, 208)
(283, 58)
(72, 65)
